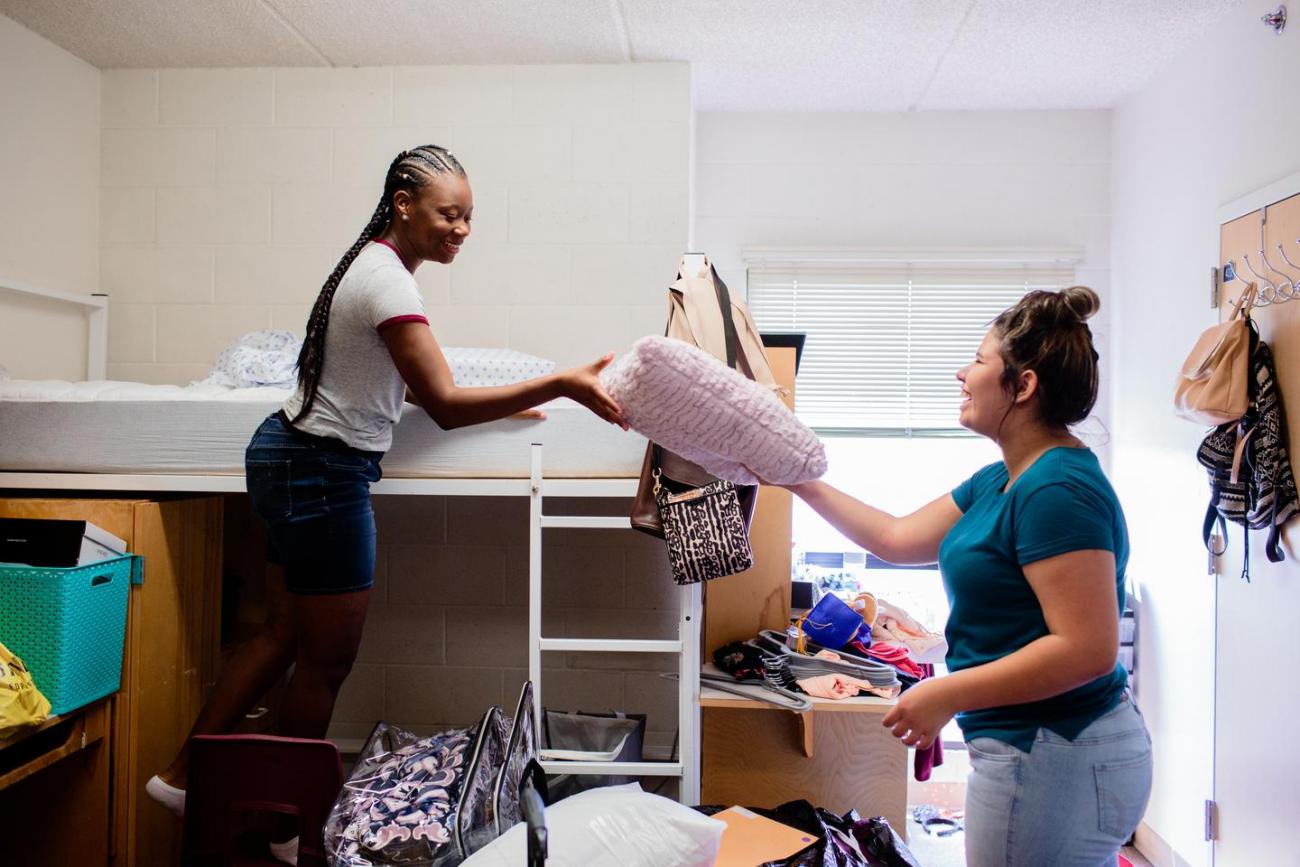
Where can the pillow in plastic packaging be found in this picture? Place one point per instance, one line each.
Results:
(618, 826)
(692, 404)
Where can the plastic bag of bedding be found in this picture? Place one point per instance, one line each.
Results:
(432, 801)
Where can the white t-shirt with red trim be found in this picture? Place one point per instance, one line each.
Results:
(360, 394)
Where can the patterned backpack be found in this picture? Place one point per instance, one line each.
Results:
(1250, 476)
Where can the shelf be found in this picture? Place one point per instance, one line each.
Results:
(631, 769)
(710, 697)
(35, 749)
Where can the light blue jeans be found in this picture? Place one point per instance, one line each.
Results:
(1063, 802)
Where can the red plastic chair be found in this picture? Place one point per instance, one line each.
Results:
(230, 774)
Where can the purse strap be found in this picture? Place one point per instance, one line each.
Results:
(1245, 301)
(729, 335)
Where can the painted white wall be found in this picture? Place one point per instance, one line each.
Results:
(229, 194)
(1216, 123)
(49, 204)
(921, 179)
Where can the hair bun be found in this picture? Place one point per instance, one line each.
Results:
(1081, 301)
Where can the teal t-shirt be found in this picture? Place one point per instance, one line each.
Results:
(1062, 503)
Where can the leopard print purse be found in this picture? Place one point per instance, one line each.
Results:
(705, 529)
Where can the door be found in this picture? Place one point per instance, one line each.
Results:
(1257, 643)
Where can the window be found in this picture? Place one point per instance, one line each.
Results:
(886, 333)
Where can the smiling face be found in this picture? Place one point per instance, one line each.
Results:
(985, 402)
(435, 219)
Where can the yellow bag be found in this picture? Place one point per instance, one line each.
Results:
(21, 703)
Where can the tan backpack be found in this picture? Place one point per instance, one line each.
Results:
(1213, 386)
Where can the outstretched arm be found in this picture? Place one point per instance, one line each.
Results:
(910, 540)
(420, 361)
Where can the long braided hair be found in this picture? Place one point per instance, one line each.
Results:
(410, 171)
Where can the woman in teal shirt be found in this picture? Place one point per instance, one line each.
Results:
(1033, 551)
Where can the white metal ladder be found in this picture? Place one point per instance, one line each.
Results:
(686, 645)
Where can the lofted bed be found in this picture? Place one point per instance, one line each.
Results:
(69, 439)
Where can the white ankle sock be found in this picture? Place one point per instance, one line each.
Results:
(166, 794)
(286, 851)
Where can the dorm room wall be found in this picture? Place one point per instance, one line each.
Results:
(943, 178)
(229, 194)
(1217, 123)
(49, 214)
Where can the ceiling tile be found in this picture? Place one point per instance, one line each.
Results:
(422, 32)
(1025, 54)
(152, 33)
(766, 55)
(745, 55)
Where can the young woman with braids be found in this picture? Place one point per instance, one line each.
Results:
(310, 466)
(1032, 550)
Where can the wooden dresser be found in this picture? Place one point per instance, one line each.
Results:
(83, 798)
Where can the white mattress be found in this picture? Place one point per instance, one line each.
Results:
(121, 427)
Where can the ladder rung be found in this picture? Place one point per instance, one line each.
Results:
(628, 769)
(611, 645)
(586, 522)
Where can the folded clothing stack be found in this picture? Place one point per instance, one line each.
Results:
(802, 666)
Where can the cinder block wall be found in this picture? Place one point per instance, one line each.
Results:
(229, 194)
(447, 631)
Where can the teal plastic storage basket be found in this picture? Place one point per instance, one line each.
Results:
(68, 626)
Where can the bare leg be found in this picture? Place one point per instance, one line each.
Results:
(255, 666)
(329, 633)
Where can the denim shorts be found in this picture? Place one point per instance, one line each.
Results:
(1063, 802)
(314, 495)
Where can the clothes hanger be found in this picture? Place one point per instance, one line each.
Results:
(704, 263)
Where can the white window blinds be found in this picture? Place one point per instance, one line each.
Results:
(885, 338)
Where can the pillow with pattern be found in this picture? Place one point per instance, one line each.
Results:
(474, 367)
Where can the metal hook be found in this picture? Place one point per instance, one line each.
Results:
(1268, 294)
(1236, 273)
(1245, 257)
(1294, 291)
(1285, 259)
(1269, 265)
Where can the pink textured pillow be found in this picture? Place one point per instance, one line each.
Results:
(687, 401)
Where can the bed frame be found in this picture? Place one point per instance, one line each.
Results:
(96, 307)
(686, 645)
